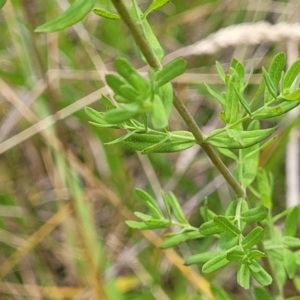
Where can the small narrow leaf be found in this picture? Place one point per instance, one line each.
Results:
(220, 138)
(260, 275)
(243, 101)
(106, 14)
(294, 96)
(243, 276)
(75, 13)
(250, 162)
(291, 222)
(274, 72)
(166, 94)
(145, 197)
(200, 258)
(256, 214)
(275, 111)
(137, 225)
(220, 71)
(227, 241)
(291, 74)
(95, 115)
(264, 182)
(156, 4)
(262, 294)
(235, 255)
(255, 236)
(291, 241)
(289, 262)
(216, 263)
(255, 254)
(122, 114)
(215, 95)
(175, 207)
(232, 100)
(136, 13)
(159, 117)
(130, 74)
(209, 228)
(180, 238)
(171, 70)
(271, 88)
(226, 225)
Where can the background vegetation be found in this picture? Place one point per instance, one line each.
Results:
(54, 228)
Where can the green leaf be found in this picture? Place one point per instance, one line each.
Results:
(264, 182)
(243, 101)
(109, 104)
(170, 71)
(261, 294)
(254, 237)
(95, 115)
(140, 141)
(210, 228)
(131, 75)
(235, 255)
(200, 258)
(75, 13)
(255, 214)
(158, 223)
(291, 222)
(142, 216)
(145, 197)
(289, 262)
(232, 207)
(274, 72)
(206, 213)
(121, 88)
(255, 254)
(243, 276)
(232, 99)
(250, 162)
(275, 111)
(168, 146)
(159, 117)
(291, 74)
(105, 14)
(227, 241)
(220, 138)
(122, 113)
(294, 96)
(2, 3)
(175, 207)
(156, 4)
(216, 263)
(136, 13)
(215, 95)
(291, 241)
(260, 275)
(271, 88)
(226, 225)
(180, 238)
(220, 71)
(228, 153)
(137, 225)
(166, 94)
(220, 293)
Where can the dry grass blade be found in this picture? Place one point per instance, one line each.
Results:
(35, 239)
